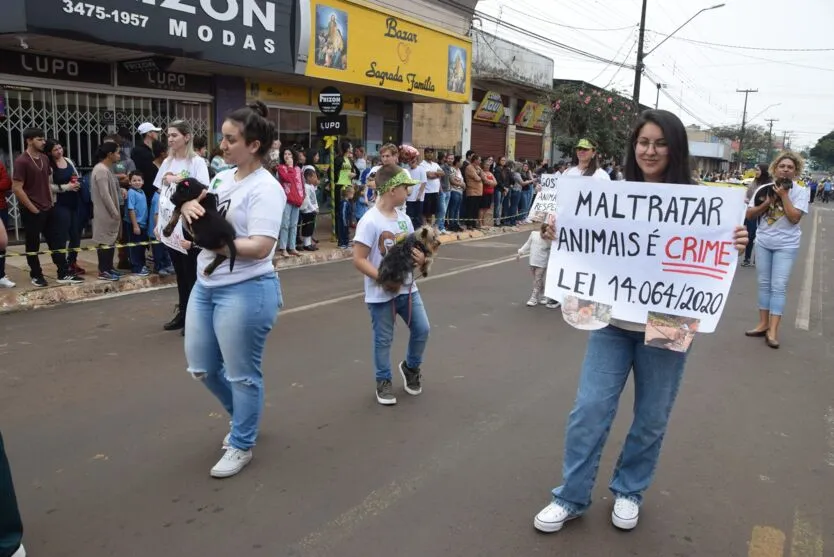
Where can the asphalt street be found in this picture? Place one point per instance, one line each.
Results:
(111, 441)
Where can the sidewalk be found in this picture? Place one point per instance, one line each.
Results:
(26, 296)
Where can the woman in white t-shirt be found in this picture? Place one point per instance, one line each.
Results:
(586, 165)
(777, 240)
(182, 162)
(231, 312)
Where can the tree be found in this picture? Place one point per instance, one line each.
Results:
(756, 141)
(823, 151)
(583, 111)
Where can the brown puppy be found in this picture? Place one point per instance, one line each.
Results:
(398, 262)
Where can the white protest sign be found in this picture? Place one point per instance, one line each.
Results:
(643, 247)
(545, 201)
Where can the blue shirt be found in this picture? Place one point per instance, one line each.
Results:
(138, 202)
(152, 214)
(826, 186)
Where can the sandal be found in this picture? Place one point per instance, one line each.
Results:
(772, 343)
(755, 333)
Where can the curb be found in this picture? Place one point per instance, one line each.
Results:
(11, 301)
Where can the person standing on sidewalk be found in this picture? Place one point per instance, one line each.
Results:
(67, 190)
(37, 211)
(143, 157)
(231, 313)
(107, 222)
(376, 233)
(182, 162)
(5, 187)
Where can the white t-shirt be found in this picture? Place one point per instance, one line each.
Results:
(254, 207)
(432, 184)
(379, 233)
(196, 168)
(600, 173)
(775, 231)
(418, 174)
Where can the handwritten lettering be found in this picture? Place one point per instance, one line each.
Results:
(394, 33)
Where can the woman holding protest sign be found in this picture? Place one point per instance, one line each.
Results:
(778, 207)
(659, 153)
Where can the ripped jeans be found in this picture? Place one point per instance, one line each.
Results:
(225, 333)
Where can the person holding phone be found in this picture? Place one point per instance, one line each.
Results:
(778, 207)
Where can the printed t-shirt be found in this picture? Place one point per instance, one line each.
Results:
(379, 233)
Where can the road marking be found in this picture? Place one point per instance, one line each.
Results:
(829, 430)
(766, 542)
(340, 299)
(803, 315)
(806, 538)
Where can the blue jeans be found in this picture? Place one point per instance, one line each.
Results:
(497, 202)
(289, 227)
(225, 333)
(382, 325)
(161, 259)
(135, 253)
(773, 267)
(442, 206)
(453, 211)
(514, 208)
(524, 204)
(611, 355)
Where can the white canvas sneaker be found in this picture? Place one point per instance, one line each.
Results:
(20, 552)
(233, 461)
(532, 302)
(6, 283)
(552, 518)
(625, 514)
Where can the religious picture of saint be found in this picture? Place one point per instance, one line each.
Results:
(331, 37)
(456, 79)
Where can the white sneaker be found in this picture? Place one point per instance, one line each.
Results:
(227, 440)
(532, 302)
(553, 304)
(543, 300)
(232, 462)
(625, 514)
(552, 518)
(20, 552)
(6, 283)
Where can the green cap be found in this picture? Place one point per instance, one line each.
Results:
(586, 144)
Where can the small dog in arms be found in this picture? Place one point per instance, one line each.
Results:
(211, 231)
(398, 262)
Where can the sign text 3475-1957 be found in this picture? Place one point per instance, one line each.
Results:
(100, 12)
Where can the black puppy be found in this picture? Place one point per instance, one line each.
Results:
(211, 231)
(398, 262)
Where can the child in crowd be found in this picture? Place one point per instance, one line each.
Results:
(161, 259)
(360, 205)
(378, 230)
(539, 250)
(309, 208)
(346, 212)
(136, 223)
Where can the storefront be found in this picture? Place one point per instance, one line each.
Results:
(489, 124)
(530, 124)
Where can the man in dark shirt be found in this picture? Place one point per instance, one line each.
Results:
(143, 157)
(31, 178)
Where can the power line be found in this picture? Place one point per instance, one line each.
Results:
(741, 47)
(614, 58)
(551, 22)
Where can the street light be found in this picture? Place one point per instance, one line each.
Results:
(659, 87)
(638, 70)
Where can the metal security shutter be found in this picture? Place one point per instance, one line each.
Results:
(528, 147)
(489, 140)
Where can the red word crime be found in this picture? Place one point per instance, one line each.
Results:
(695, 250)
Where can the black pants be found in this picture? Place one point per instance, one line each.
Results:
(49, 224)
(11, 528)
(752, 225)
(105, 258)
(472, 203)
(308, 224)
(337, 196)
(185, 265)
(70, 221)
(414, 209)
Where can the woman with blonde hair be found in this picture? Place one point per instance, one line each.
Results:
(778, 207)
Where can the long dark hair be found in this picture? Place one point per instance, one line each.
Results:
(764, 177)
(47, 149)
(678, 167)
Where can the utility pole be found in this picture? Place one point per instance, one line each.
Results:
(770, 137)
(657, 100)
(743, 126)
(638, 69)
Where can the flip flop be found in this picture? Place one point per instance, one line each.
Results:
(755, 333)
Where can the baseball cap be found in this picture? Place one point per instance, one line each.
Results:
(147, 127)
(585, 144)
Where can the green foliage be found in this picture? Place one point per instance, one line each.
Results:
(582, 111)
(823, 151)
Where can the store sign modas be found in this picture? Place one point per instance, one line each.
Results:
(247, 10)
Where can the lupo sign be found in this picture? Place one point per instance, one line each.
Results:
(251, 33)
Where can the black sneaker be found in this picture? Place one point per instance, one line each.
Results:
(412, 379)
(178, 322)
(384, 394)
(69, 278)
(40, 282)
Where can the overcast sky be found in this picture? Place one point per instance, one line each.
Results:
(702, 78)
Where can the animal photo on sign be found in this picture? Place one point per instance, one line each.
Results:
(398, 263)
(331, 37)
(670, 332)
(585, 314)
(211, 231)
